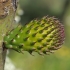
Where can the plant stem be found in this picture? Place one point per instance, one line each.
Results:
(1, 57)
(7, 14)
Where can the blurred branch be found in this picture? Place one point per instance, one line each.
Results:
(67, 2)
(7, 14)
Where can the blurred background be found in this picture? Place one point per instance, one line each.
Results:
(27, 11)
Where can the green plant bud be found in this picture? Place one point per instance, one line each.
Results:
(42, 36)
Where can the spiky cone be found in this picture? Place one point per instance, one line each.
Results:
(42, 36)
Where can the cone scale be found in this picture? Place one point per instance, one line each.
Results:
(42, 36)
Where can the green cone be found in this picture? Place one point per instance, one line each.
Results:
(42, 36)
